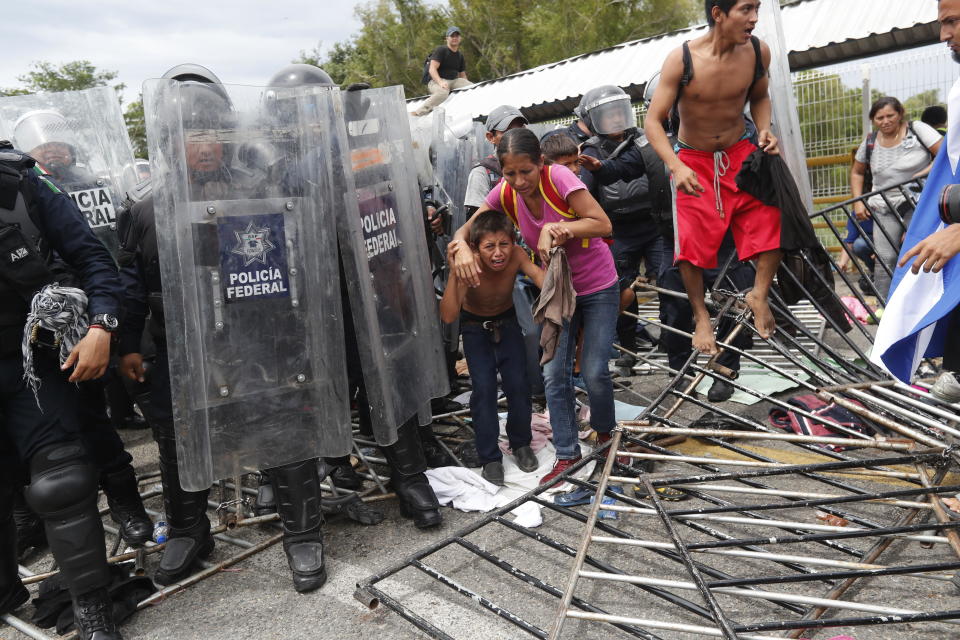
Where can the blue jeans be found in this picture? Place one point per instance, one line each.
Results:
(597, 314)
(484, 358)
(633, 243)
(863, 251)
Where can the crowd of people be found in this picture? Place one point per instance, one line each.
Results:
(576, 215)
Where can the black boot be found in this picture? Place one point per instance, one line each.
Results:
(30, 531)
(93, 615)
(186, 512)
(342, 474)
(12, 592)
(435, 455)
(63, 492)
(297, 488)
(407, 463)
(126, 506)
(266, 500)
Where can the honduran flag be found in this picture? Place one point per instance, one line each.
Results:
(915, 320)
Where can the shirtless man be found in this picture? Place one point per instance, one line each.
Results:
(725, 74)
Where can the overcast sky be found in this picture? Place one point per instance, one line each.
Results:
(242, 41)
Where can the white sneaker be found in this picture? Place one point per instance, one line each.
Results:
(946, 388)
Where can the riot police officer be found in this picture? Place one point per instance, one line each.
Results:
(40, 431)
(606, 111)
(54, 143)
(186, 511)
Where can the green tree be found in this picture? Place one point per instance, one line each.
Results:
(70, 76)
(137, 128)
(914, 105)
(562, 30)
(499, 36)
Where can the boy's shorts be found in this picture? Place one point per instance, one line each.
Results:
(701, 222)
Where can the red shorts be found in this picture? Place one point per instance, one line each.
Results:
(699, 225)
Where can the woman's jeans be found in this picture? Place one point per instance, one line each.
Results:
(597, 314)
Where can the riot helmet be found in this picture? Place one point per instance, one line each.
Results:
(579, 109)
(606, 110)
(47, 136)
(650, 89)
(191, 72)
(206, 112)
(298, 75)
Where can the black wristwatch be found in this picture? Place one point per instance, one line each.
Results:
(105, 321)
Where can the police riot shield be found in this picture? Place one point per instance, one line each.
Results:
(80, 139)
(454, 159)
(245, 198)
(386, 265)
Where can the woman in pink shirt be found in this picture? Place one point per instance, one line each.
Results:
(552, 207)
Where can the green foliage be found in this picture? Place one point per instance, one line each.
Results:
(137, 128)
(500, 37)
(561, 30)
(914, 105)
(70, 76)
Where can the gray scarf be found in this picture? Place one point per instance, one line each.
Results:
(61, 310)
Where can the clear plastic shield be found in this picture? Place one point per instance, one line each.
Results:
(80, 138)
(245, 193)
(454, 161)
(386, 264)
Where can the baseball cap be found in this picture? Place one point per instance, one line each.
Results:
(452, 30)
(501, 117)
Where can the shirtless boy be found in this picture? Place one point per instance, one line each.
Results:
(493, 341)
(713, 145)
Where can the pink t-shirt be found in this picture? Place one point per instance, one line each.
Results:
(591, 266)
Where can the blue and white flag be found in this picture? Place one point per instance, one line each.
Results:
(915, 320)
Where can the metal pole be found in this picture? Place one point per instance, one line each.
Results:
(718, 615)
(562, 610)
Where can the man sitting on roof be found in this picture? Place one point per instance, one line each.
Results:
(447, 70)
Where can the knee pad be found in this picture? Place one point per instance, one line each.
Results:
(62, 481)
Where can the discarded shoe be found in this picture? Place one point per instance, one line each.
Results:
(664, 493)
(574, 498)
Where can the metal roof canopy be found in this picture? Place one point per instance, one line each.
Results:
(818, 32)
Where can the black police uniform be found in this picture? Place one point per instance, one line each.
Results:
(117, 476)
(186, 511)
(41, 435)
(636, 237)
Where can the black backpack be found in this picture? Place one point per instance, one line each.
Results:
(758, 72)
(426, 69)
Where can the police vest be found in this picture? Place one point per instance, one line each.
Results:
(661, 194)
(622, 201)
(26, 264)
(137, 229)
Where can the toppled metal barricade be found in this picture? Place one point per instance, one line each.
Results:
(781, 534)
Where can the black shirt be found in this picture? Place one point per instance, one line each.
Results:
(452, 63)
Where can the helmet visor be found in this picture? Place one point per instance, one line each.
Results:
(611, 115)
